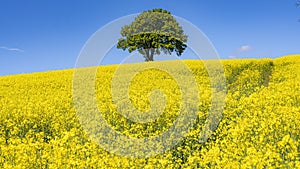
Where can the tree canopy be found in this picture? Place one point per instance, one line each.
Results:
(152, 32)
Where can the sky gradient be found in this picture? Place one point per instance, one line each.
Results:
(49, 35)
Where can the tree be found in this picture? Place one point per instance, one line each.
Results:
(152, 32)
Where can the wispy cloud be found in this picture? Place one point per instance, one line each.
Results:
(11, 49)
(240, 50)
(244, 48)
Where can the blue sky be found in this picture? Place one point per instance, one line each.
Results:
(49, 35)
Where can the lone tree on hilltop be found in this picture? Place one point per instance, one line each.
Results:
(152, 32)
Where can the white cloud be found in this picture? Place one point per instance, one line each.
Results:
(240, 50)
(244, 48)
(11, 49)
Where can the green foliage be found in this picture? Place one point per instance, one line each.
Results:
(152, 32)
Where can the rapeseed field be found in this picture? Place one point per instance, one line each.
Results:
(259, 127)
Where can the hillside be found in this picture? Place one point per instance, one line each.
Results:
(259, 127)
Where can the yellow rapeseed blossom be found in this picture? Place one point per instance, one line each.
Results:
(39, 127)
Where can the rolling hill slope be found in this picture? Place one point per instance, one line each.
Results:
(259, 126)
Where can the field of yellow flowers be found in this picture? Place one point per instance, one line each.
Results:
(39, 126)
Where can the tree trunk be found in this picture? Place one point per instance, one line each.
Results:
(146, 55)
(151, 54)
